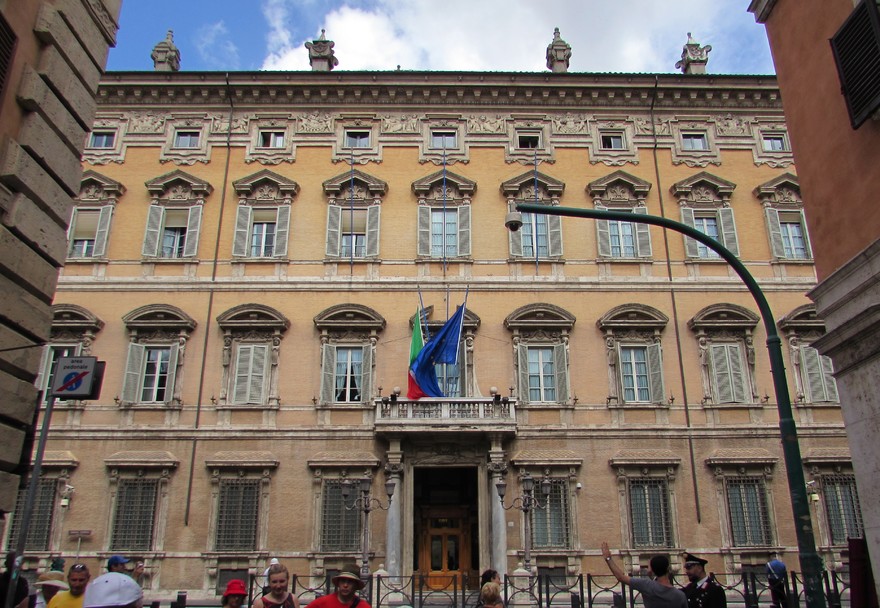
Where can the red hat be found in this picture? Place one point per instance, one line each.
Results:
(235, 587)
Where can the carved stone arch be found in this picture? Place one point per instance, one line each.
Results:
(72, 323)
(540, 315)
(522, 186)
(178, 185)
(782, 190)
(253, 315)
(344, 317)
(703, 188)
(95, 188)
(620, 187)
(802, 318)
(724, 315)
(366, 186)
(633, 316)
(471, 319)
(429, 186)
(158, 316)
(265, 185)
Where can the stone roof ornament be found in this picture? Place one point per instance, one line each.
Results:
(166, 56)
(693, 57)
(558, 54)
(322, 58)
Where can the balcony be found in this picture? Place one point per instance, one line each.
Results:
(446, 415)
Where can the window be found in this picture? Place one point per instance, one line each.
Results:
(250, 374)
(620, 239)
(641, 374)
(788, 234)
(153, 366)
(348, 335)
(51, 354)
(551, 524)
(172, 233)
(102, 139)
(355, 138)
(716, 223)
(856, 47)
(528, 140)
(340, 527)
(543, 373)
(444, 215)
(694, 141)
(42, 517)
(728, 373)
(727, 353)
(444, 140)
(842, 507)
(611, 140)
(261, 232)
(774, 143)
(271, 139)
(353, 232)
(186, 139)
(748, 511)
(449, 377)
(540, 236)
(347, 373)
(444, 233)
(135, 514)
(237, 514)
(708, 225)
(649, 512)
(818, 376)
(88, 231)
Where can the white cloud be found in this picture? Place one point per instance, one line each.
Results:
(215, 48)
(512, 35)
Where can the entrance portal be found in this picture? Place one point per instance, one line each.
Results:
(446, 525)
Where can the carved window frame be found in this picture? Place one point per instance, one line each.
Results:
(470, 325)
(116, 123)
(723, 325)
(270, 155)
(782, 196)
(356, 155)
(264, 190)
(621, 191)
(825, 466)
(801, 327)
(529, 126)
(636, 325)
(612, 157)
(251, 325)
(99, 194)
(181, 191)
(546, 326)
(448, 124)
(636, 465)
(456, 197)
(366, 195)
(156, 326)
(186, 155)
(709, 195)
(765, 127)
(522, 189)
(694, 158)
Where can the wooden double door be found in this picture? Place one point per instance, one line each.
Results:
(445, 545)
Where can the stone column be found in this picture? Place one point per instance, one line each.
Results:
(497, 469)
(393, 470)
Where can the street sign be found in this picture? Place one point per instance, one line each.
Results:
(73, 377)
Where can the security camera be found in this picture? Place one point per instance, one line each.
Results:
(513, 221)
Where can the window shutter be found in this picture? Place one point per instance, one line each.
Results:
(242, 228)
(154, 227)
(690, 245)
(424, 236)
(806, 232)
(775, 231)
(367, 373)
(103, 231)
(828, 377)
(41, 373)
(737, 374)
(721, 373)
(856, 48)
(334, 222)
(655, 373)
(514, 238)
(554, 228)
(727, 228)
(464, 230)
(328, 372)
(603, 236)
(243, 362)
(70, 227)
(134, 369)
(258, 374)
(373, 231)
(172, 372)
(818, 376)
(464, 389)
(193, 227)
(643, 234)
(561, 363)
(522, 353)
(282, 231)
(7, 51)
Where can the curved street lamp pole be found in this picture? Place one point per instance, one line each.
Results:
(811, 564)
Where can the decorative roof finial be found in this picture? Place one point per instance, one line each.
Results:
(165, 55)
(322, 58)
(693, 57)
(558, 53)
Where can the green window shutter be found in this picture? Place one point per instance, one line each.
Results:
(554, 228)
(328, 372)
(193, 228)
(603, 236)
(643, 235)
(372, 231)
(522, 353)
(134, 369)
(424, 236)
(172, 373)
(775, 231)
(367, 374)
(690, 245)
(154, 228)
(334, 223)
(282, 231)
(655, 373)
(514, 238)
(103, 231)
(464, 231)
(242, 230)
(561, 361)
(727, 230)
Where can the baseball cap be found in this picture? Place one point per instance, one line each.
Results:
(117, 560)
(112, 589)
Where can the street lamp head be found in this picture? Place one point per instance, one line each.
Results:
(389, 489)
(513, 221)
(501, 486)
(366, 483)
(545, 486)
(528, 484)
(346, 488)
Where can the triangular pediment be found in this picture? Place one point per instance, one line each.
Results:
(515, 186)
(785, 188)
(371, 184)
(702, 180)
(251, 185)
(94, 186)
(178, 184)
(453, 180)
(603, 186)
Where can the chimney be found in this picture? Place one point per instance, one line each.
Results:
(166, 56)
(693, 57)
(321, 55)
(558, 54)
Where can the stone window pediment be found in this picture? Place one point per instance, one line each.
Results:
(469, 325)
(522, 187)
(365, 187)
(178, 187)
(242, 460)
(703, 189)
(350, 318)
(133, 459)
(541, 316)
(265, 187)
(158, 317)
(633, 317)
(96, 188)
(784, 190)
(72, 322)
(430, 187)
(721, 316)
(619, 189)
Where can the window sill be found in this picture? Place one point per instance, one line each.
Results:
(246, 406)
(345, 406)
(818, 404)
(150, 406)
(341, 260)
(458, 259)
(716, 261)
(640, 405)
(623, 260)
(793, 261)
(543, 406)
(525, 260)
(86, 260)
(284, 260)
(731, 406)
(170, 260)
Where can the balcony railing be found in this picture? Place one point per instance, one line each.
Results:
(454, 414)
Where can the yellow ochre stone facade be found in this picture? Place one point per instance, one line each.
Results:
(247, 378)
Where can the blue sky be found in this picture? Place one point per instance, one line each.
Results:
(498, 35)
